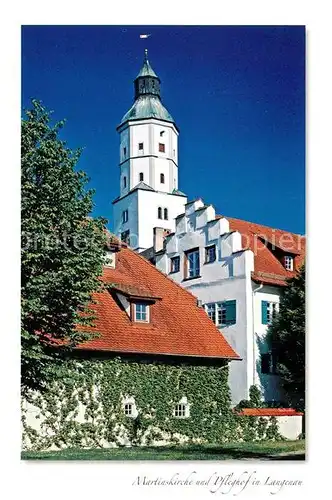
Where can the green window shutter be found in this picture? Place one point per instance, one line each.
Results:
(264, 312)
(230, 306)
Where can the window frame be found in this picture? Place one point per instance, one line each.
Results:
(181, 409)
(207, 249)
(174, 259)
(272, 309)
(125, 216)
(217, 312)
(147, 312)
(289, 262)
(187, 261)
(125, 236)
(161, 147)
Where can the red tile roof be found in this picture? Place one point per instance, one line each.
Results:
(178, 326)
(266, 242)
(269, 412)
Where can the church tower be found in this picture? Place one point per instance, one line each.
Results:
(149, 195)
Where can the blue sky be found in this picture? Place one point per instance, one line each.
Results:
(237, 94)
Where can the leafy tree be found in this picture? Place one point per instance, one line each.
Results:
(286, 336)
(62, 248)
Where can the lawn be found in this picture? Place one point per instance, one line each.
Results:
(266, 450)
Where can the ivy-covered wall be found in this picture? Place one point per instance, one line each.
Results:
(84, 406)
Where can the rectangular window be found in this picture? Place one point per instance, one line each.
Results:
(269, 311)
(161, 147)
(222, 313)
(128, 409)
(193, 267)
(211, 311)
(125, 236)
(175, 264)
(289, 262)
(140, 146)
(125, 216)
(124, 152)
(180, 410)
(141, 312)
(210, 254)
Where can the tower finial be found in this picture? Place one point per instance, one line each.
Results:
(145, 54)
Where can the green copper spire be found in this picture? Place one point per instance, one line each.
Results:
(146, 69)
(147, 96)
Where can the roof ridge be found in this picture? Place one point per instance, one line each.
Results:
(263, 225)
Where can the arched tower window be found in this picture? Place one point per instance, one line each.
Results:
(165, 213)
(160, 213)
(162, 178)
(141, 176)
(125, 182)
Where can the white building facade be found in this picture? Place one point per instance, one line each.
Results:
(149, 195)
(205, 256)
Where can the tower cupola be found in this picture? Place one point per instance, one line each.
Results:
(147, 82)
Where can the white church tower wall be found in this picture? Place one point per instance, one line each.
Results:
(149, 195)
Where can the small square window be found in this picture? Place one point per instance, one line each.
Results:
(175, 264)
(161, 147)
(141, 312)
(210, 254)
(128, 409)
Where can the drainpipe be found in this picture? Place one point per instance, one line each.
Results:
(253, 332)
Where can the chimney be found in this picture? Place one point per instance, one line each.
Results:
(159, 234)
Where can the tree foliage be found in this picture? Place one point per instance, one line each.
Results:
(286, 335)
(62, 247)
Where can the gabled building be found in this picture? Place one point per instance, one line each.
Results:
(155, 373)
(236, 269)
(149, 194)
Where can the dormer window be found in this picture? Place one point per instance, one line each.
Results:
(141, 312)
(109, 259)
(289, 262)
